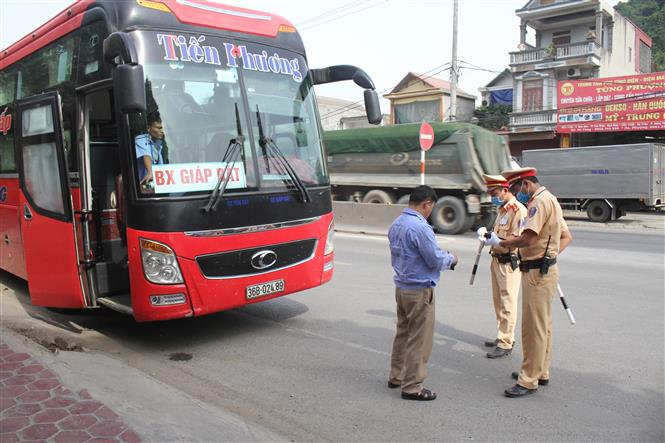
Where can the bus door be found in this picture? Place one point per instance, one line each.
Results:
(45, 205)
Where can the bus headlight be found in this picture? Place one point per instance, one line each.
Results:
(159, 263)
(330, 241)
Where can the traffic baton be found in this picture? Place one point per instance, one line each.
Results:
(475, 265)
(565, 305)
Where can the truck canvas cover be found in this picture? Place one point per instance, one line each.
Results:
(489, 147)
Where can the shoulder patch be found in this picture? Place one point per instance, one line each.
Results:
(532, 211)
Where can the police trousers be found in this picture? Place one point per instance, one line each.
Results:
(537, 293)
(413, 338)
(505, 292)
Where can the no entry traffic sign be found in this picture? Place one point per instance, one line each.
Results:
(426, 136)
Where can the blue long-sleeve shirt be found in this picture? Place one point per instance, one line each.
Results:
(415, 256)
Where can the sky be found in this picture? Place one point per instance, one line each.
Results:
(386, 38)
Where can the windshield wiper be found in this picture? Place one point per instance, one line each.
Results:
(233, 151)
(270, 149)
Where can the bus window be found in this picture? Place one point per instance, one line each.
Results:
(91, 66)
(40, 160)
(193, 113)
(7, 86)
(283, 98)
(48, 67)
(7, 161)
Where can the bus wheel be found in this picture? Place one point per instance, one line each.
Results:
(449, 215)
(379, 196)
(598, 211)
(403, 200)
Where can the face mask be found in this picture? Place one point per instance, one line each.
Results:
(523, 198)
(497, 201)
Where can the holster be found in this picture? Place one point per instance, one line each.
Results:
(542, 264)
(508, 258)
(545, 265)
(514, 261)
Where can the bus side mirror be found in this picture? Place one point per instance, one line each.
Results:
(129, 88)
(372, 107)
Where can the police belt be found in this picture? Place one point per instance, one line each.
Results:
(526, 265)
(503, 258)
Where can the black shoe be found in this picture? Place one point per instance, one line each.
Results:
(492, 344)
(392, 385)
(541, 382)
(423, 395)
(499, 352)
(518, 391)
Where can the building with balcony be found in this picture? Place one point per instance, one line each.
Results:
(573, 39)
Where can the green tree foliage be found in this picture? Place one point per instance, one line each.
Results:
(493, 117)
(649, 15)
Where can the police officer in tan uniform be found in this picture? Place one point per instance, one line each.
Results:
(504, 268)
(544, 236)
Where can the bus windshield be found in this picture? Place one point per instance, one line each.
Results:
(206, 94)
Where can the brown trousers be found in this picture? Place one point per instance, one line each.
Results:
(537, 293)
(505, 291)
(413, 338)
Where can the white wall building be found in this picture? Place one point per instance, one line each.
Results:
(334, 110)
(574, 39)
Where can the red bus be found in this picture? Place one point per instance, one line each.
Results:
(164, 159)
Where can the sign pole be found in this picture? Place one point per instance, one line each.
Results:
(422, 167)
(426, 136)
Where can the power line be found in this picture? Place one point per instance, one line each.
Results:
(353, 105)
(479, 68)
(331, 12)
(359, 104)
(342, 16)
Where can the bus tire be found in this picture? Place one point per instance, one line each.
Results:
(403, 200)
(449, 215)
(379, 196)
(598, 211)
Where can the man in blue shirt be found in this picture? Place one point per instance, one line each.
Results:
(150, 148)
(417, 261)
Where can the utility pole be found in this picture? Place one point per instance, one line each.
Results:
(452, 116)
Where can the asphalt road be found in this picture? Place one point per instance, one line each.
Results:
(314, 366)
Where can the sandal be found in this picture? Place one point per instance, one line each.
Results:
(423, 395)
(392, 385)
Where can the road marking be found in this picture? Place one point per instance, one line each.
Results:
(343, 263)
(384, 239)
(338, 341)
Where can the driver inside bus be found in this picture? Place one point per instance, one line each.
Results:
(151, 150)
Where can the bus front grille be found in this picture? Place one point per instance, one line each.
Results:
(255, 261)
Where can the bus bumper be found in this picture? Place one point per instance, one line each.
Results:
(206, 295)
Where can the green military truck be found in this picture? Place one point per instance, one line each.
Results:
(382, 165)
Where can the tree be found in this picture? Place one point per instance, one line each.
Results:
(649, 15)
(493, 117)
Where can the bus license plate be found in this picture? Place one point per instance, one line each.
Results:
(263, 289)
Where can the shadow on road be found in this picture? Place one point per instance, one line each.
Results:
(172, 334)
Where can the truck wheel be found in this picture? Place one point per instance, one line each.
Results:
(379, 196)
(403, 200)
(598, 211)
(485, 220)
(449, 215)
(471, 221)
